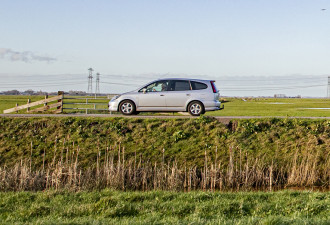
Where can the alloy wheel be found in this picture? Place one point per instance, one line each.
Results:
(127, 108)
(196, 109)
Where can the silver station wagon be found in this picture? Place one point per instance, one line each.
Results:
(169, 95)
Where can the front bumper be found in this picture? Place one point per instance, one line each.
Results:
(113, 106)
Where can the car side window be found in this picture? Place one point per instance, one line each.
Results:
(179, 85)
(197, 85)
(157, 86)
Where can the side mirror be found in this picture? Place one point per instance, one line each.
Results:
(144, 90)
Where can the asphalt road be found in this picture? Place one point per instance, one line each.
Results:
(223, 119)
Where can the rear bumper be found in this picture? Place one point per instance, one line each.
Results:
(214, 106)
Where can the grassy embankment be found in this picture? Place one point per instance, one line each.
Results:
(167, 154)
(159, 207)
(233, 106)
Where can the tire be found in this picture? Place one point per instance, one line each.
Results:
(196, 108)
(127, 107)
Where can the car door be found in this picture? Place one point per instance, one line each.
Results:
(179, 92)
(153, 98)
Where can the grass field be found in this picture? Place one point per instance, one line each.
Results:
(273, 107)
(159, 207)
(9, 101)
(233, 106)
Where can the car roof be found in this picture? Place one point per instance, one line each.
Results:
(191, 79)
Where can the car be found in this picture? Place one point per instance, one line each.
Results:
(169, 95)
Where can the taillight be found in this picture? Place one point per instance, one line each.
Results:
(213, 87)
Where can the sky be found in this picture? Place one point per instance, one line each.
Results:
(251, 48)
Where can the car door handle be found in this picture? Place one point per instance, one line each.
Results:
(188, 94)
(161, 95)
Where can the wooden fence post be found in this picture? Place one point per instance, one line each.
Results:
(46, 96)
(28, 101)
(60, 108)
(16, 106)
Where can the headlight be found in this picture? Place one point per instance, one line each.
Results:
(115, 98)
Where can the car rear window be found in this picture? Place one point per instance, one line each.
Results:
(197, 85)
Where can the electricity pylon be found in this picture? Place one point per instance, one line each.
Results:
(90, 81)
(328, 87)
(97, 87)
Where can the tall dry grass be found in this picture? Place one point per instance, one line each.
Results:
(239, 171)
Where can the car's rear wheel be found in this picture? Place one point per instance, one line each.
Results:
(196, 108)
(127, 107)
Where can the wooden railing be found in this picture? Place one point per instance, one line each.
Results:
(86, 104)
(66, 104)
(46, 107)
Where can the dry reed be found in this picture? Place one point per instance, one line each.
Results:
(113, 170)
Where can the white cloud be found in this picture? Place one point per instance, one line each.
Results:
(26, 56)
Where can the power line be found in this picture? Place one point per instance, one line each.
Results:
(271, 79)
(50, 85)
(137, 85)
(230, 85)
(81, 79)
(42, 83)
(270, 89)
(234, 79)
(125, 84)
(266, 84)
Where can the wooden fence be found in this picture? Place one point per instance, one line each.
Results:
(66, 104)
(45, 102)
(86, 104)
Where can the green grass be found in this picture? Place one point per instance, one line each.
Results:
(274, 107)
(183, 139)
(233, 106)
(262, 142)
(159, 207)
(9, 101)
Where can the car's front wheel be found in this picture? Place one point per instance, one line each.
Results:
(127, 107)
(196, 108)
